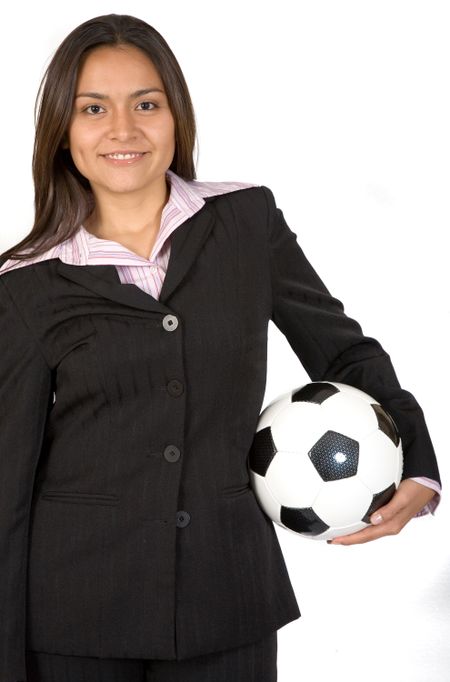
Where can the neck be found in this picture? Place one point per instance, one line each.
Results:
(115, 216)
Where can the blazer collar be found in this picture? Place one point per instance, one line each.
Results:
(186, 243)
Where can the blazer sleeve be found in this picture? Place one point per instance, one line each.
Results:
(331, 346)
(25, 396)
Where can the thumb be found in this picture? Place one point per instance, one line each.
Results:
(387, 512)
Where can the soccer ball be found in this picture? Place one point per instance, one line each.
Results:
(324, 457)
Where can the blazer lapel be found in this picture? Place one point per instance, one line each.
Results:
(186, 243)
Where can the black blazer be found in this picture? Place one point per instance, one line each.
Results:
(128, 527)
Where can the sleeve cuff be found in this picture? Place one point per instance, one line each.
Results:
(432, 505)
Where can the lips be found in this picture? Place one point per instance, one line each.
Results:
(129, 151)
(126, 159)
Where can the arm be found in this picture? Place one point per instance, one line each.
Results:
(331, 346)
(25, 396)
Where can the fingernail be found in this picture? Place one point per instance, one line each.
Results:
(377, 518)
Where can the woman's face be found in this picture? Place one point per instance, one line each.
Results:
(115, 118)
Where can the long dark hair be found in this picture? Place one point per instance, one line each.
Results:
(63, 197)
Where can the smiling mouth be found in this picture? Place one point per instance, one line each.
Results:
(125, 155)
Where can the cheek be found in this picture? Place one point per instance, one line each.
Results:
(170, 141)
(80, 140)
(166, 131)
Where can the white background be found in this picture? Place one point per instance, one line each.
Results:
(342, 109)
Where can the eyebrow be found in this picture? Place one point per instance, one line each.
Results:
(137, 93)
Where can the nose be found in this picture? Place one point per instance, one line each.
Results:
(122, 124)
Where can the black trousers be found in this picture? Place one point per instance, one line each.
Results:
(256, 662)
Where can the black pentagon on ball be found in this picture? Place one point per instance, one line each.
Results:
(379, 500)
(335, 456)
(262, 451)
(302, 520)
(314, 393)
(386, 423)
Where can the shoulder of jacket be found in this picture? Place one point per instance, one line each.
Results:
(237, 191)
(25, 281)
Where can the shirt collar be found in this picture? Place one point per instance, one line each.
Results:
(186, 198)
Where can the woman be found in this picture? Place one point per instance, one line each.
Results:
(133, 361)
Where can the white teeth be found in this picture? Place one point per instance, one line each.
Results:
(122, 156)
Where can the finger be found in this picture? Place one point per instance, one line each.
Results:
(365, 535)
(389, 510)
(387, 527)
(409, 497)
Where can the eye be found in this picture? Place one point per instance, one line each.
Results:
(91, 106)
(97, 106)
(153, 105)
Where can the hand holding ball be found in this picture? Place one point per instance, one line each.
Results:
(323, 459)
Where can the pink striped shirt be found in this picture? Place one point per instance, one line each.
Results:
(186, 198)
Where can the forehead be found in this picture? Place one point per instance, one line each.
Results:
(112, 63)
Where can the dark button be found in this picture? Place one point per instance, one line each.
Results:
(170, 323)
(183, 518)
(175, 387)
(172, 453)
